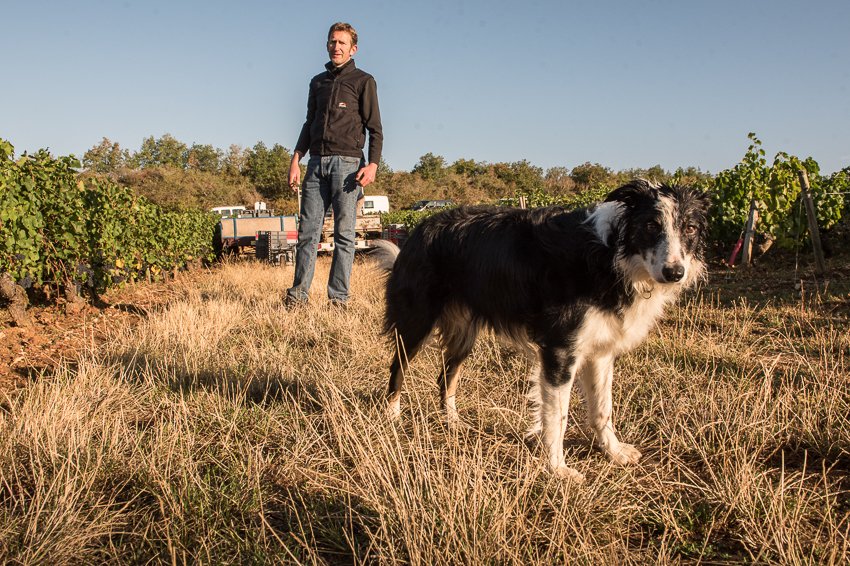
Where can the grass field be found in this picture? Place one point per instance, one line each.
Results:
(225, 429)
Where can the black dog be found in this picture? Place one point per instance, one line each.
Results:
(573, 289)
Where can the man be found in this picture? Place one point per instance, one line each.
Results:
(341, 106)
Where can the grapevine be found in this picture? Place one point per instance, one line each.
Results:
(57, 231)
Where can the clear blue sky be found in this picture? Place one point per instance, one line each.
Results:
(625, 84)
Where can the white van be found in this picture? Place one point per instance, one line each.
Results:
(375, 204)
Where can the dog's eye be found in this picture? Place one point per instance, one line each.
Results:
(653, 227)
(691, 229)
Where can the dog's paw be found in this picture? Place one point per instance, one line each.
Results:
(455, 424)
(451, 414)
(624, 455)
(393, 410)
(569, 474)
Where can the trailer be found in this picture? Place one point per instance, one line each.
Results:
(367, 227)
(233, 234)
(273, 237)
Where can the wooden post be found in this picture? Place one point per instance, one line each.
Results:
(749, 234)
(18, 300)
(522, 202)
(813, 220)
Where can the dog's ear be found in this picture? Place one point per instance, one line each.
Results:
(632, 193)
(703, 200)
(692, 198)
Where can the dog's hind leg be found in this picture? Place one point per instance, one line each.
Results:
(595, 377)
(457, 337)
(397, 370)
(409, 340)
(555, 386)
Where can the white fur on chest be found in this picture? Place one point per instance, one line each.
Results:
(606, 333)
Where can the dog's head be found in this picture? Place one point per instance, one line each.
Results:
(660, 231)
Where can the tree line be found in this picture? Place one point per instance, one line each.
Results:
(177, 175)
(173, 173)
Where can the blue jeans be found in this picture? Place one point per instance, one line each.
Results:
(328, 183)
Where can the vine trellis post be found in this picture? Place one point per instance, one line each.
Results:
(749, 234)
(813, 220)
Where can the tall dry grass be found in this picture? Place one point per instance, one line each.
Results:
(225, 429)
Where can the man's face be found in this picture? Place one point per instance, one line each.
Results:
(340, 49)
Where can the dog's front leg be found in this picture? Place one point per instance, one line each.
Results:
(554, 408)
(447, 381)
(596, 377)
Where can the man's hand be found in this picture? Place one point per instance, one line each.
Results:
(295, 172)
(367, 174)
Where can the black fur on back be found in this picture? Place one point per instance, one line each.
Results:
(538, 269)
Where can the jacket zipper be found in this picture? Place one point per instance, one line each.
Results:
(328, 112)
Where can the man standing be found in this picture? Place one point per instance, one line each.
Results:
(341, 106)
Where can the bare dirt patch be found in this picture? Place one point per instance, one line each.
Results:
(59, 334)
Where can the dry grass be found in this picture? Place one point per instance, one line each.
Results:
(225, 429)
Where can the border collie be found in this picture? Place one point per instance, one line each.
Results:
(572, 289)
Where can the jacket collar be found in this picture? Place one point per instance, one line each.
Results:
(348, 66)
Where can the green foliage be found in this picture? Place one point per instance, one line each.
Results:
(174, 188)
(129, 235)
(655, 174)
(40, 218)
(409, 218)
(430, 167)
(203, 158)
(540, 197)
(830, 195)
(520, 174)
(384, 168)
(776, 191)
(379, 186)
(468, 168)
(58, 230)
(692, 176)
(233, 162)
(175, 176)
(591, 175)
(105, 157)
(21, 221)
(163, 152)
(557, 180)
(535, 198)
(734, 188)
(268, 169)
(836, 185)
(586, 198)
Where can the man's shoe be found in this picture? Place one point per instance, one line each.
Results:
(290, 302)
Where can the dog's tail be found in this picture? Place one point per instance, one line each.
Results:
(384, 254)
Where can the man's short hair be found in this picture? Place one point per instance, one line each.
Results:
(342, 26)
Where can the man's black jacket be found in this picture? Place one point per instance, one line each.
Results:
(341, 106)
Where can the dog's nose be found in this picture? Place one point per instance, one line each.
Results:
(673, 273)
